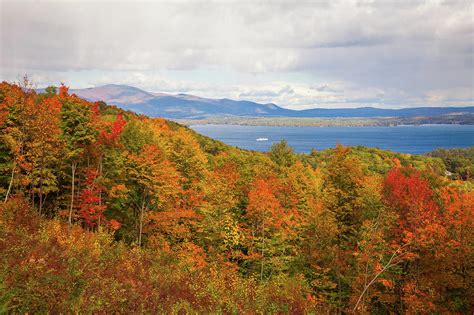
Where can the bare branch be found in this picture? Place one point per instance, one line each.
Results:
(388, 265)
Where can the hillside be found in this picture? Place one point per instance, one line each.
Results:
(183, 106)
(107, 211)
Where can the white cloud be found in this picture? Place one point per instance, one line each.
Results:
(386, 53)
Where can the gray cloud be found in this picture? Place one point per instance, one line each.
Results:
(403, 52)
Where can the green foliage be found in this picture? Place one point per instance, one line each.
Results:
(282, 154)
(51, 91)
(6, 296)
(76, 124)
(459, 162)
(343, 193)
(137, 133)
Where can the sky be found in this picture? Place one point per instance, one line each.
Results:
(297, 54)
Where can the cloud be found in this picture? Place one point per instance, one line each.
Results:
(384, 52)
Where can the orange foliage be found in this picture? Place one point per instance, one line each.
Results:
(63, 90)
(263, 206)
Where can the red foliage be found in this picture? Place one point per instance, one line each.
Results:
(95, 108)
(110, 137)
(90, 208)
(411, 196)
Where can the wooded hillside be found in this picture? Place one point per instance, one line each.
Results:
(107, 211)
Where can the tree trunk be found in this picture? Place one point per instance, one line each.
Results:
(263, 245)
(142, 210)
(41, 186)
(73, 172)
(100, 191)
(100, 176)
(11, 183)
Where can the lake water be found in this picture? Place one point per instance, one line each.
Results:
(405, 139)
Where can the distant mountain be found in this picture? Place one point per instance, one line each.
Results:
(185, 106)
(176, 106)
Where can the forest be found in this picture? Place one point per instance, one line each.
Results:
(106, 211)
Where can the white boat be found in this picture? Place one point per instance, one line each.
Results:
(262, 139)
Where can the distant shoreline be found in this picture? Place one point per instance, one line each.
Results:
(458, 119)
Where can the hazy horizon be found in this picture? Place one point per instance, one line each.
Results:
(325, 54)
(198, 96)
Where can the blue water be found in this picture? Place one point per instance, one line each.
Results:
(405, 139)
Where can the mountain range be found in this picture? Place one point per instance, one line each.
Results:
(185, 106)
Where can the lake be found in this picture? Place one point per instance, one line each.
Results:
(405, 139)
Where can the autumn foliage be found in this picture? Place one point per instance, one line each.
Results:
(106, 211)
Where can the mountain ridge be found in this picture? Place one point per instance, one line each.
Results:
(188, 106)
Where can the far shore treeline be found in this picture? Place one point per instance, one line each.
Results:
(451, 119)
(106, 211)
